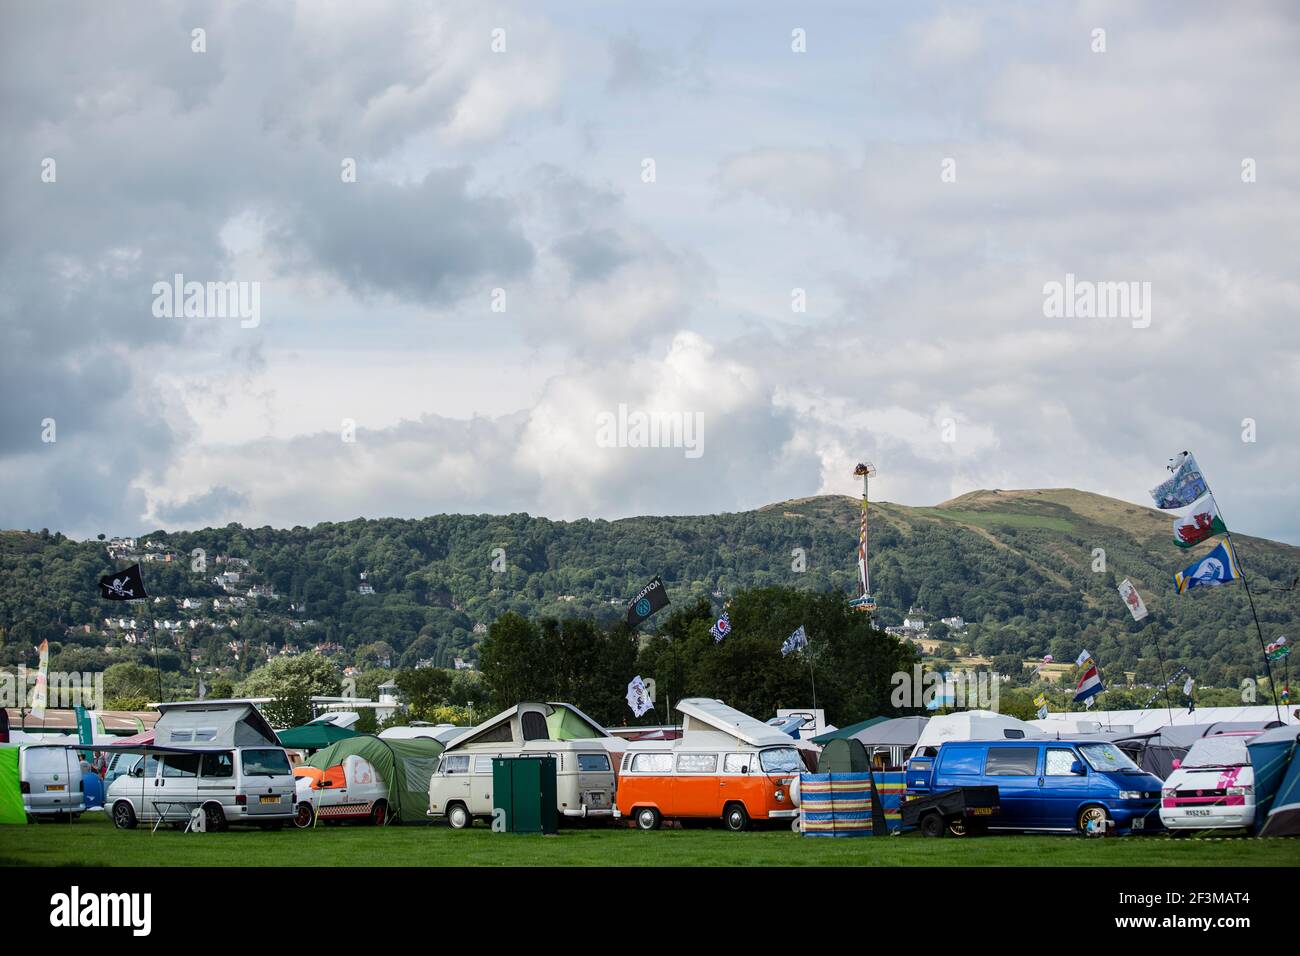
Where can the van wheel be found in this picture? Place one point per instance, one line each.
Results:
(735, 817)
(123, 816)
(932, 825)
(647, 818)
(379, 813)
(303, 815)
(458, 817)
(1089, 815)
(214, 818)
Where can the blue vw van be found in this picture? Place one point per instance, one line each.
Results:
(1047, 784)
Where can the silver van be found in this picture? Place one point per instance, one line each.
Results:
(50, 780)
(220, 756)
(245, 785)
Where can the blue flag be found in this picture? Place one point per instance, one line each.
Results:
(722, 628)
(795, 642)
(1217, 567)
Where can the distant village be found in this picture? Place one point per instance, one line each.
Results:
(181, 620)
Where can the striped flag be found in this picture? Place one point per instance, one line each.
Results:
(1089, 684)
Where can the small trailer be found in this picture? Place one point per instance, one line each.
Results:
(960, 811)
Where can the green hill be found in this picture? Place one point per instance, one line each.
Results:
(1017, 565)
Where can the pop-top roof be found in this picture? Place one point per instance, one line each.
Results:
(707, 716)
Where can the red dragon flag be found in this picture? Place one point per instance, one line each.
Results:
(1199, 522)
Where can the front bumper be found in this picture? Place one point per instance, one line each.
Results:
(1223, 818)
(782, 814)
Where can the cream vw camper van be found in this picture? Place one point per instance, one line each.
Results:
(461, 787)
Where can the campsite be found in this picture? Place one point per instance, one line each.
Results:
(94, 842)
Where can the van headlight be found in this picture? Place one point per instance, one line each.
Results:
(1132, 795)
(780, 796)
(1240, 791)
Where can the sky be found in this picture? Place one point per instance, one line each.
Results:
(818, 233)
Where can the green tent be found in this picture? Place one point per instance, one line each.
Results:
(405, 765)
(844, 733)
(11, 796)
(844, 756)
(314, 736)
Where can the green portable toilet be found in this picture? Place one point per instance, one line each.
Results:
(523, 792)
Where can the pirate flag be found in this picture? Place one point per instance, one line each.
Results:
(123, 585)
(649, 599)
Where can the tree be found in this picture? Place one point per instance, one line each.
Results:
(291, 682)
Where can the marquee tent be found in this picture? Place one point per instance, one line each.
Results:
(314, 736)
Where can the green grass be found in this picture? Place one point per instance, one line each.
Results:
(92, 841)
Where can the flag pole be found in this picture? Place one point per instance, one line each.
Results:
(1259, 631)
(1163, 681)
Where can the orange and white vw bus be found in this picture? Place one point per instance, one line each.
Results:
(726, 766)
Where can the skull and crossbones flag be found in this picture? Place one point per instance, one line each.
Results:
(124, 585)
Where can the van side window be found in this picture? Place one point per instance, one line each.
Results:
(652, 763)
(736, 763)
(456, 763)
(697, 763)
(965, 760)
(1060, 761)
(181, 765)
(534, 725)
(482, 764)
(1012, 762)
(220, 764)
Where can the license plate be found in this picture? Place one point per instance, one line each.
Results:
(982, 812)
(596, 799)
(1198, 813)
(54, 786)
(269, 799)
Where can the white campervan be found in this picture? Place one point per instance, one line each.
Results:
(219, 756)
(461, 787)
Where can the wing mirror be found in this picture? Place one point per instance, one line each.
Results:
(1077, 769)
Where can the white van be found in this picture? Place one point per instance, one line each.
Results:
(251, 785)
(50, 780)
(220, 756)
(1213, 787)
(461, 787)
(350, 790)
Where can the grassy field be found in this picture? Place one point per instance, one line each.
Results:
(92, 841)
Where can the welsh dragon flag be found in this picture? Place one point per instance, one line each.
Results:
(1199, 522)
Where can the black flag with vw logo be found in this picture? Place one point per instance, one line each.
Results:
(123, 585)
(649, 599)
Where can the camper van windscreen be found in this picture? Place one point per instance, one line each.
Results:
(780, 760)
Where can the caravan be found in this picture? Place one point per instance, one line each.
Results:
(726, 766)
(218, 756)
(461, 788)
